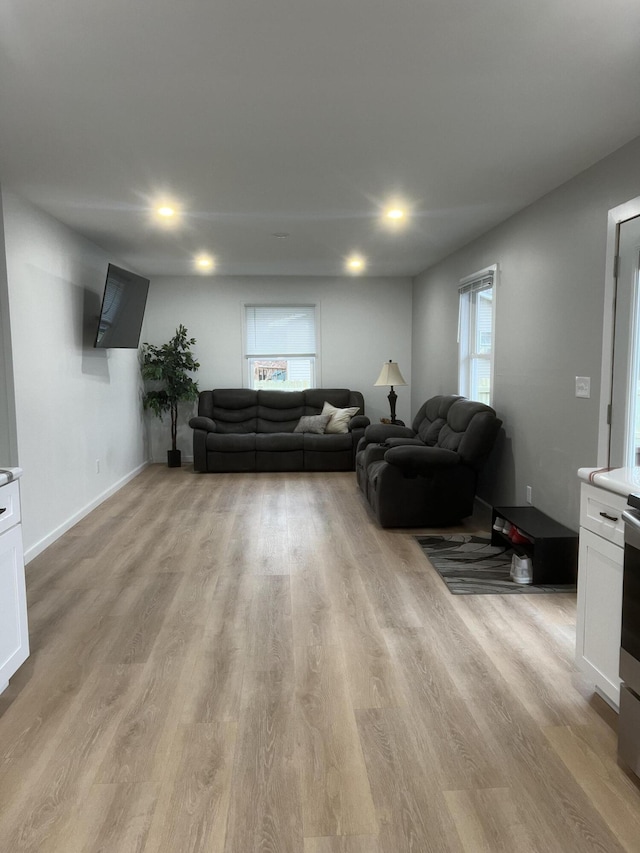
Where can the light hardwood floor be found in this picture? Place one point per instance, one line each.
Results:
(240, 663)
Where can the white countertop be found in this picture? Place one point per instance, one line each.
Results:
(9, 474)
(622, 481)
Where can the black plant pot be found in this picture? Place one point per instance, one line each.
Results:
(174, 458)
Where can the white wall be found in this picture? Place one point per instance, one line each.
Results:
(549, 317)
(74, 405)
(363, 323)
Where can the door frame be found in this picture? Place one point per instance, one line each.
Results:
(616, 215)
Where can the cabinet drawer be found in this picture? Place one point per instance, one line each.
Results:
(9, 506)
(601, 512)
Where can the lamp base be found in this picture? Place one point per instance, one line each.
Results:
(392, 404)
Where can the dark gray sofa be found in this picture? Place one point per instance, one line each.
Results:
(238, 429)
(426, 475)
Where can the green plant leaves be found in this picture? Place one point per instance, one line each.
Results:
(169, 365)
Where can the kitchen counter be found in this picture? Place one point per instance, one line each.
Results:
(8, 475)
(621, 481)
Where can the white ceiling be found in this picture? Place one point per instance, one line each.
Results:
(305, 116)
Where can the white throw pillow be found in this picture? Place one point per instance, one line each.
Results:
(339, 423)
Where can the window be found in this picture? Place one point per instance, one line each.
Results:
(280, 346)
(476, 322)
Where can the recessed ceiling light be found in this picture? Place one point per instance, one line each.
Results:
(167, 212)
(395, 213)
(204, 263)
(281, 235)
(355, 264)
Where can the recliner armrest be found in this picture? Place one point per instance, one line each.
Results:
(403, 442)
(203, 423)
(377, 433)
(359, 422)
(419, 461)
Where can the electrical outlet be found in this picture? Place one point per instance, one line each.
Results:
(529, 497)
(97, 466)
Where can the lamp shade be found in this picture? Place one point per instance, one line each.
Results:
(390, 375)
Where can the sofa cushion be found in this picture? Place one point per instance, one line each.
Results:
(279, 411)
(432, 416)
(313, 423)
(284, 401)
(234, 410)
(234, 398)
(339, 423)
(235, 442)
(326, 442)
(270, 425)
(468, 422)
(279, 441)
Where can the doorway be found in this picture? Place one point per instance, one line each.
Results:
(624, 432)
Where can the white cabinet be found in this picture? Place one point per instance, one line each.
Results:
(14, 635)
(600, 589)
(601, 512)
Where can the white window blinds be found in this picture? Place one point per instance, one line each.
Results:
(280, 330)
(472, 284)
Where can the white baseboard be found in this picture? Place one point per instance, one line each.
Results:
(50, 538)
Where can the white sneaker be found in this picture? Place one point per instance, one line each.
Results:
(513, 566)
(499, 524)
(522, 570)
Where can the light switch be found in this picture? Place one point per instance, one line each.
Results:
(583, 386)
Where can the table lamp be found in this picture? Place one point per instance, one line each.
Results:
(390, 375)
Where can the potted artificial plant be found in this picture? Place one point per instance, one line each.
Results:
(170, 365)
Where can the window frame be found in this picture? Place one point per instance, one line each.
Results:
(468, 289)
(248, 358)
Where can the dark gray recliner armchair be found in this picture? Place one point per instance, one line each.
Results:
(426, 476)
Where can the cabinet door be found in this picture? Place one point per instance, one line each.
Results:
(14, 635)
(600, 613)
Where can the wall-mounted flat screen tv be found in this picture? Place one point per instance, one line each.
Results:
(125, 295)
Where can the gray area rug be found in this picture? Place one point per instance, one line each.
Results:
(470, 565)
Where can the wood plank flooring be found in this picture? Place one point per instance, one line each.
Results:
(248, 664)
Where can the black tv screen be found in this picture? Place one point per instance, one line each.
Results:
(125, 295)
